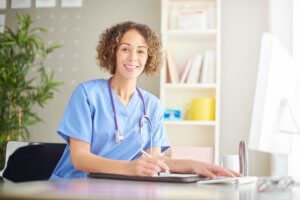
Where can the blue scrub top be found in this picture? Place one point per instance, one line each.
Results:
(89, 117)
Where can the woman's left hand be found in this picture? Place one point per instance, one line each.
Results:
(211, 170)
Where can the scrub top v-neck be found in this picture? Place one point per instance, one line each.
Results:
(120, 107)
(89, 117)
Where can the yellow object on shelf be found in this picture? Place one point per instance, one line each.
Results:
(202, 109)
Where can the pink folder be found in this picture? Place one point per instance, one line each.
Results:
(205, 154)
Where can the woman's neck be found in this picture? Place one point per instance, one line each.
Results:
(123, 88)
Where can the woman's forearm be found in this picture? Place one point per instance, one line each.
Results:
(178, 165)
(88, 162)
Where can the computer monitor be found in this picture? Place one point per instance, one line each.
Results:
(274, 122)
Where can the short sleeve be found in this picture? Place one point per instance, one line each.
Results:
(160, 137)
(77, 119)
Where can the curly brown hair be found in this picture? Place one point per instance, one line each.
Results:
(109, 41)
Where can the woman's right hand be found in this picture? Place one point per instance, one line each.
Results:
(147, 166)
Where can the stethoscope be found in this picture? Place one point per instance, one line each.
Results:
(120, 136)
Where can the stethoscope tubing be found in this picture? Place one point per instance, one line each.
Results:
(119, 136)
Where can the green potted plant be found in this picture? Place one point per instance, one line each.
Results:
(21, 50)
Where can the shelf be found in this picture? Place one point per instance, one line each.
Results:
(186, 44)
(191, 86)
(191, 34)
(190, 122)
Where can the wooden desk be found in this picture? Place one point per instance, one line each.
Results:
(115, 189)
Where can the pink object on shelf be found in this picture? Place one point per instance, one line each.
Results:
(205, 154)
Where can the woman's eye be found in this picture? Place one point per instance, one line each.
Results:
(125, 49)
(141, 52)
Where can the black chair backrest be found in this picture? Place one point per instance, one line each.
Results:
(33, 162)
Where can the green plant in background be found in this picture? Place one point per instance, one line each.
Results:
(20, 51)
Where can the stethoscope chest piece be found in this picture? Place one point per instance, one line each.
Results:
(119, 137)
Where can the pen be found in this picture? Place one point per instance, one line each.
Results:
(264, 186)
(286, 183)
(145, 153)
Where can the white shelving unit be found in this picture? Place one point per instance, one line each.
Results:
(186, 44)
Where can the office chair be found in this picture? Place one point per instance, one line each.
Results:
(28, 161)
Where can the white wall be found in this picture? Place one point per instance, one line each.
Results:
(243, 23)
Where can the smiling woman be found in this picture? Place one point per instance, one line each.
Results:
(110, 39)
(103, 122)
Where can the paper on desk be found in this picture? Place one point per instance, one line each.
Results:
(176, 175)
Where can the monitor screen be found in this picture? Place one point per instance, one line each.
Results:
(273, 116)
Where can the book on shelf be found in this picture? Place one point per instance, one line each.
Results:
(191, 19)
(208, 73)
(172, 69)
(186, 71)
(195, 70)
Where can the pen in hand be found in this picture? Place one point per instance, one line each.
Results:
(148, 155)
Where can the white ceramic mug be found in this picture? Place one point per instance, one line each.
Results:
(231, 162)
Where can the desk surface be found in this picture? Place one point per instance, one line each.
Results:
(116, 189)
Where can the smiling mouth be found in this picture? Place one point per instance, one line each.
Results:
(130, 66)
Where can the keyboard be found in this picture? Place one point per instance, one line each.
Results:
(230, 180)
(218, 180)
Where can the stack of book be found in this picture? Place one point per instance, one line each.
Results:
(200, 69)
